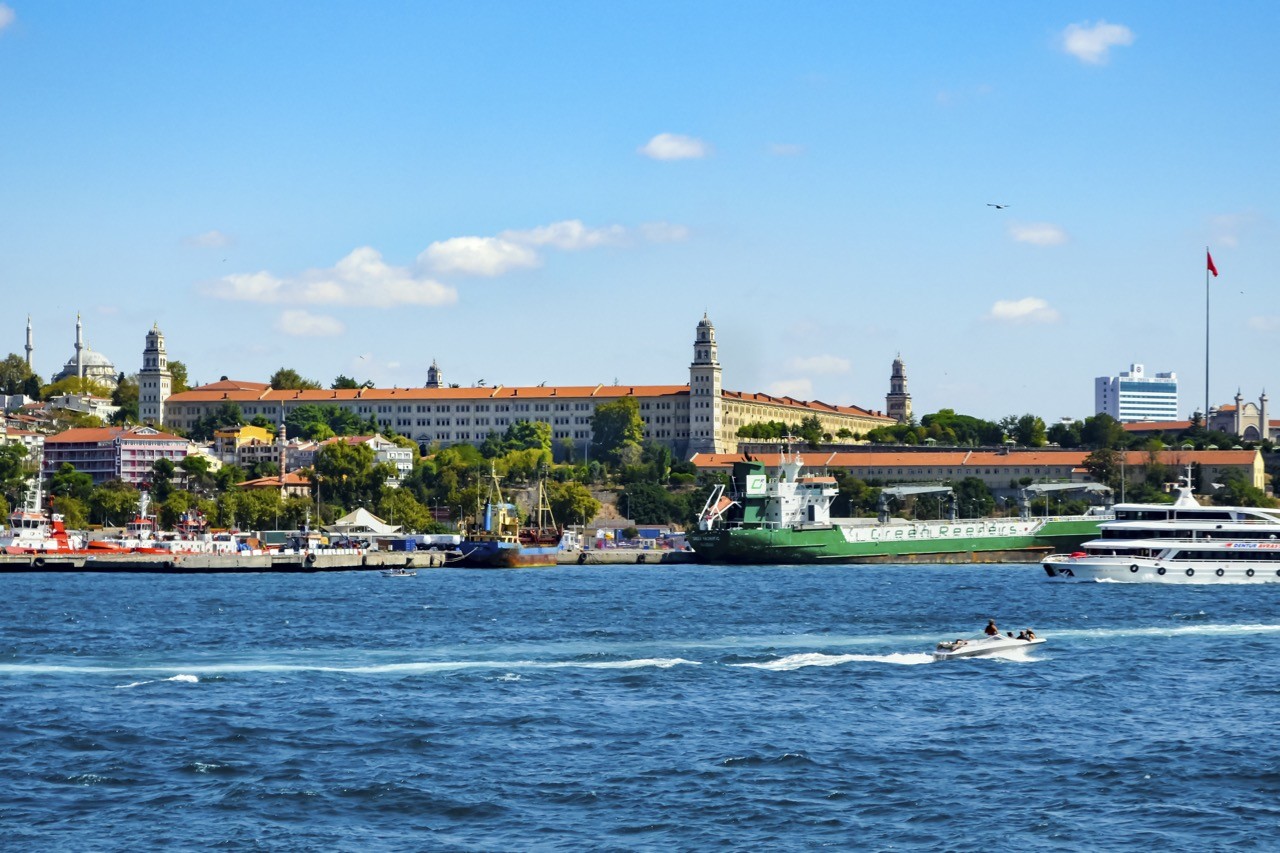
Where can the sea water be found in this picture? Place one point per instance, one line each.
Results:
(638, 707)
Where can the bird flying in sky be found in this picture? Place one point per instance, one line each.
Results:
(997, 206)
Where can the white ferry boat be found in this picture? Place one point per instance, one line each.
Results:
(1182, 542)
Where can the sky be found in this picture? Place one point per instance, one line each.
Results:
(557, 192)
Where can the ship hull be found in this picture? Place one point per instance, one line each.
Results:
(506, 555)
(973, 541)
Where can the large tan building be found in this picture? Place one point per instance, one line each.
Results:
(1001, 469)
(698, 417)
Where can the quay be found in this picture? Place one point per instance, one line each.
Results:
(336, 560)
(624, 556)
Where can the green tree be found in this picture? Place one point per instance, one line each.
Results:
(1238, 491)
(1029, 431)
(73, 510)
(288, 379)
(343, 382)
(350, 474)
(400, 507)
(162, 471)
(811, 431)
(178, 380)
(225, 416)
(259, 509)
(1103, 466)
(196, 466)
(74, 385)
(1101, 431)
(15, 470)
(615, 427)
(571, 503)
(14, 373)
(113, 503)
(68, 482)
(126, 397)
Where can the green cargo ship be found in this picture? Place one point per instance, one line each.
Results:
(787, 520)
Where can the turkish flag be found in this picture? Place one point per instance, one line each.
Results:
(1212, 268)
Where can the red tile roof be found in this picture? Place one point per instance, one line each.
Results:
(292, 478)
(80, 435)
(970, 458)
(245, 392)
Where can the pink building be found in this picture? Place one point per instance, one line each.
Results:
(108, 453)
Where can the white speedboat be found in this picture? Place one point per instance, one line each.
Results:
(998, 645)
(1181, 542)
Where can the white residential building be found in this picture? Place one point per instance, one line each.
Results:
(1135, 396)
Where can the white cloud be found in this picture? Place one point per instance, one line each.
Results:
(304, 324)
(1265, 324)
(1023, 311)
(786, 149)
(361, 279)
(674, 146)
(1090, 44)
(518, 248)
(214, 239)
(822, 364)
(1228, 228)
(569, 235)
(1038, 233)
(663, 232)
(7, 16)
(800, 389)
(478, 256)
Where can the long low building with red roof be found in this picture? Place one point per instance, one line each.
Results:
(998, 469)
(699, 416)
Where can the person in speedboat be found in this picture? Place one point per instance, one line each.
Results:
(1031, 635)
(991, 629)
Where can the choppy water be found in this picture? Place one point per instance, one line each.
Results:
(634, 708)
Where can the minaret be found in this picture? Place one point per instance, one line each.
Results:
(1239, 418)
(705, 399)
(897, 402)
(30, 343)
(1264, 425)
(79, 347)
(282, 443)
(155, 382)
(433, 375)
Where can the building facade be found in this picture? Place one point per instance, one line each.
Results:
(897, 403)
(85, 363)
(1136, 396)
(1001, 469)
(110, 453)
(698, 417)
(155, 382)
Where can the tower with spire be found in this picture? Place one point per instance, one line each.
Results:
(79, 347)
(31, 347)
(897, 403)
(706, 402)
(155, 382)
(434, 379)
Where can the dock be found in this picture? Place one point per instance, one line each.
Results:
(336, 560)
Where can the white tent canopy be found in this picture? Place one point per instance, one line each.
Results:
(361, 523)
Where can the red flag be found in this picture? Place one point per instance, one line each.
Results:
(1212, 268)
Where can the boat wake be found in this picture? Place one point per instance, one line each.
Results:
(190, 679)
(791, 662)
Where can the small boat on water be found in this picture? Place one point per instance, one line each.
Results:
(399, 572)
(1000, 644)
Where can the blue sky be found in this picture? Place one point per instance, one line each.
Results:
(557, 192)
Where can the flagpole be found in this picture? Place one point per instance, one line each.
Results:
(1206, 339)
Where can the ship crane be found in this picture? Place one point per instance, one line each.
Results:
(900, 492)
(1039, 489)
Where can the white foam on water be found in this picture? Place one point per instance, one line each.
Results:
(191, 679)
(801, 661)
(134, 684)
(1164, 631)
(405, 668)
